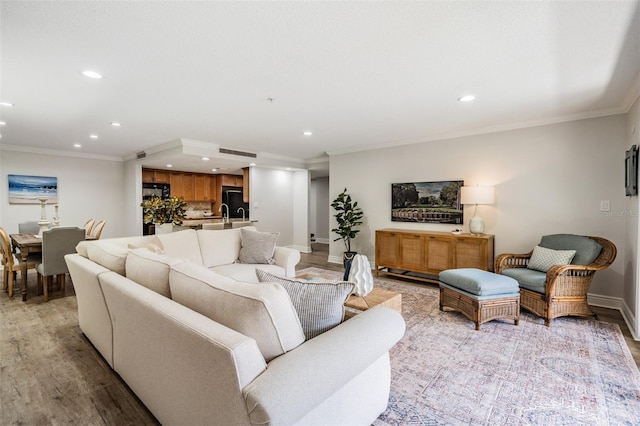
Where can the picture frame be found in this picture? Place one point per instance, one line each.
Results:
(427, 202)
(27, 189)
(631, 171)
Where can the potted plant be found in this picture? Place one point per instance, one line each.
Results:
(348, 215)
(164, 213)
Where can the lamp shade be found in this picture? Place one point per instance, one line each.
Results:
(476, 195)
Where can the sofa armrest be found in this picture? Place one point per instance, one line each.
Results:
(287, 258)
(281, 395)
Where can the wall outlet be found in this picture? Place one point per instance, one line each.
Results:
(605, 205)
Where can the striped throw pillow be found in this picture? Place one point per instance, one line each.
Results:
(319, 304)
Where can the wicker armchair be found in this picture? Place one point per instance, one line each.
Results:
(565, 286)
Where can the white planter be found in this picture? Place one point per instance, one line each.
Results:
(164, 228)
(360, 275)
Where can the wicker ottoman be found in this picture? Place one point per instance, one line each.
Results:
(480, 295)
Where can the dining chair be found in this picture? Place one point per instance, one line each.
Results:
(96, 231)
(30, 227)
(88, 225)
(56, 243)
(11, 263)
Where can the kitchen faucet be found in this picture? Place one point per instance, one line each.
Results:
(241, 208)
(224, 218)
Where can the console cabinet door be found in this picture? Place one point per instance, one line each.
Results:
(387, 245)
(438, 254)
(473, 253)
(411, 252)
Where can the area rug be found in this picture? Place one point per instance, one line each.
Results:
(577, 372)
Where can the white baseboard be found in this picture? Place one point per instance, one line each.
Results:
(335, 259)
(618, 304)
(323, 240)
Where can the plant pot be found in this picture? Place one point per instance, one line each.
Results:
(164, 228)
(347, 258)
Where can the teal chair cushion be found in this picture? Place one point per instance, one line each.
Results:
(478, 282)
(527, 278)
(587, 249)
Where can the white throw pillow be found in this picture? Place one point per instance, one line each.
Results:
(257, 247)
(543, 258)
(320, 304)
(150, 270)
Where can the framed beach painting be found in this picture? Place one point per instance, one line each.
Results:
(25, 189)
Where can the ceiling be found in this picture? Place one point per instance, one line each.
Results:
(187, 78)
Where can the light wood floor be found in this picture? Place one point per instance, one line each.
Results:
(51, 374)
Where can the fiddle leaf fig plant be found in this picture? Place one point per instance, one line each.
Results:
(159, 211)
(348, 215)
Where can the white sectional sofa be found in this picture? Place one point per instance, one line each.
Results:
(200, 341)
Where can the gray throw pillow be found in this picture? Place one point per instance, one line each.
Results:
(319, 304)
(257, 247)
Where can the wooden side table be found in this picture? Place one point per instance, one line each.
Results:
(377, 297)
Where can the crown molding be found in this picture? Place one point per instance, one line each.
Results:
(59, 153)
(490, 129)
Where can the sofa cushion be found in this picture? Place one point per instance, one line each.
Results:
(528, 278)
(219, 247)
(257, 247)
(587, 249)
(111, 256)
(544, 258)
(319, 304)
(183, 245)
(262, 312)
(150, 270)
(246, 272)
(153, 244)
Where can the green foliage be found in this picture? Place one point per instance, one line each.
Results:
(157, 210)
(348, 216)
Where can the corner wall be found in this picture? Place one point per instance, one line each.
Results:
(548, 179)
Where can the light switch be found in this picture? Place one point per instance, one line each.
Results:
(605, 205)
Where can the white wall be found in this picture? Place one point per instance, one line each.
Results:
(271, 195)
(548, 179)
(300, 203)
(87, 188)
(631, 266)
(319, 206)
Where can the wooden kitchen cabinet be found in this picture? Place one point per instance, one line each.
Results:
(230, 180)
(155, 176)
(422, 255)
(204, 187)
(182, 185)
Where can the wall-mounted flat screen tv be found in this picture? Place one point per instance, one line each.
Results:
(427, 202)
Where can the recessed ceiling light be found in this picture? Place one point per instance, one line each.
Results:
(252, 164)
(169, 165)
(466, 98)
(92, 74)
(205, 158)
(214, 170)
(77, 145)
(93, 136)
(115, 124)
(307, 133)
(2, 123)
(9, 104)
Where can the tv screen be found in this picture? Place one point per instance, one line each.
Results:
(427, 202)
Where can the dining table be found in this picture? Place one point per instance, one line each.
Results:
(27, 244)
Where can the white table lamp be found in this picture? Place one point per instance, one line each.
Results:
(476, 195)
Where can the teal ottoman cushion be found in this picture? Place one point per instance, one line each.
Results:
(479, 282)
